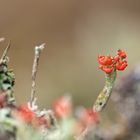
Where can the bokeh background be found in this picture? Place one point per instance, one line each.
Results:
(75, 31)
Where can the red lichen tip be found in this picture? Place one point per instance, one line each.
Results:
(105, 60)
(25, 113)
(63, 107)
(86, 117)
(108, 63)
(121, 53)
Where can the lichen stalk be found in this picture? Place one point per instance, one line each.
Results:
(38, 50)
(110, 65)
(103, 97)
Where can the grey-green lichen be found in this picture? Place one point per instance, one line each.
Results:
(103, 97)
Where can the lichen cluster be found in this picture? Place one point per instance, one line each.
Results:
(62, 122)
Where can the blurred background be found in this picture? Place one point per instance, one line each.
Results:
(75, 31)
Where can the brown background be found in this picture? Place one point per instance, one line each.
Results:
(75, 31)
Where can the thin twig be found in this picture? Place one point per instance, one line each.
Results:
(38, 50)
(5, 52)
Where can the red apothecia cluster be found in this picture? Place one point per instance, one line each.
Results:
(108, 63)
(28, 116)
(25, 113)
(63, 107)
(86, 118)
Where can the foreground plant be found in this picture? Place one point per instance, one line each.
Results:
(25, 122)
(110, 65)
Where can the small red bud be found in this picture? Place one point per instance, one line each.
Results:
(107, 70)
(121, 53)
(116, 58)
(63, 107)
